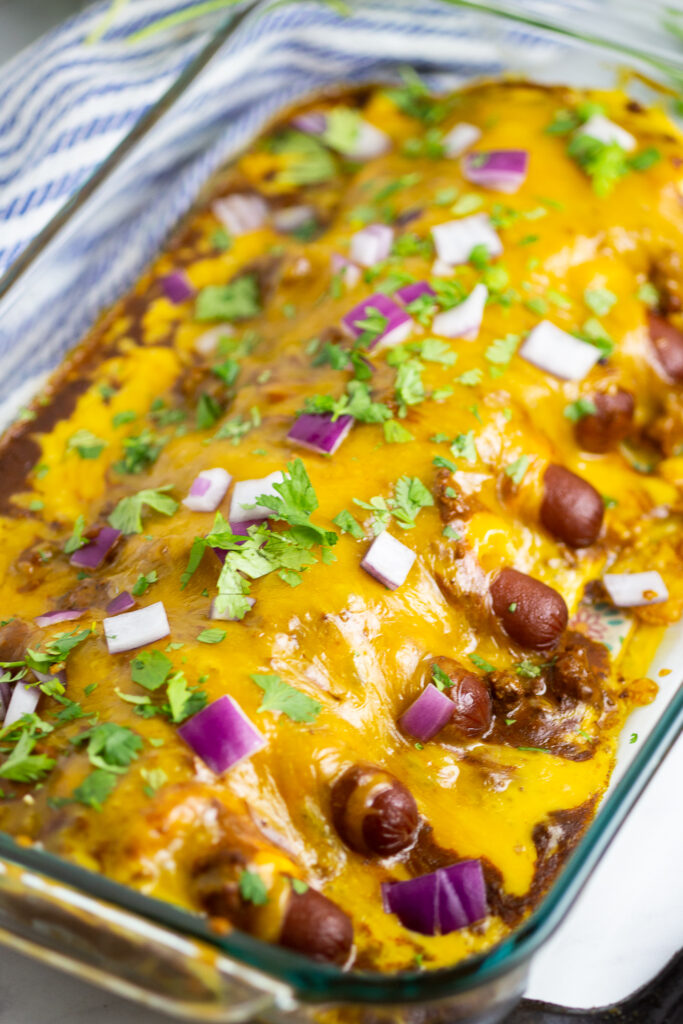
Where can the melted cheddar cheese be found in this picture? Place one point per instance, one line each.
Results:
(142, 400)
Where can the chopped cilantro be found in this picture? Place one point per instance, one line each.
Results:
(347, 524)
(470, 378)
(155, 779)
(648, 294)
(212, 636)
(409, 387)
(468, 203)
(279, 696)
(463, 446)
(305, 160)
(516, 470)
(208, 411)
(24, 766)
(86, 444)
(410, 495)
(221, 240)
(144, 582)
(127, 416)
(299, 886)
(238, 300)
(151, 669)
(139, 452)
(253, 888)
(441, 679)
(482, 663)
(76, 540)
(396, 433)
(95, 788)
(576, 411)
(110, 747)
(528, 670)
(500, 352)
(452, 534)
(599, 300)
(127, 516)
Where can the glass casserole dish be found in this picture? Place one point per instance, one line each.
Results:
(467, 47)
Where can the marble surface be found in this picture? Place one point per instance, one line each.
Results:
(590, 961)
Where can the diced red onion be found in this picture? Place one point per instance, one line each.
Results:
(51, 618)
(177, 287)
(208, 490)
(460, 138)
(370, 142)
(245, 493)
(372, 244)
(467, 878)
(5, 697)
(635, 589)
(410, 292)
(289, 218)
(222, 735)
(502, 170)
(428, 714)
(123, 602)
(440, 902)
(136, 629)
(241, 213)
(214, 613)
(455, 239)
(398, 328)
(312, 123)
(350, 272)
(207, 343)
(553, 350)
(93, 554)
(463, 321)
(24, 701)
(388, 560)
(319, 433)
(241, 529)
(601, 128)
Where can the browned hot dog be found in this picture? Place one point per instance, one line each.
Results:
(572, 510)
(533, 614)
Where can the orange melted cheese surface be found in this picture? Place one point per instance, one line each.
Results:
(357, 649)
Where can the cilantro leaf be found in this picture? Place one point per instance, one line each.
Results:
(212, 636)
(343, 126)
(86, 444)
(144, 582)
(110, 746)
(151, 669)
(76, 540)
(599, 300)
(347, 524)
(396, 433)
(279, 696)
(253, 888)
(183, 700)
(576, 411)
(410, 495)
(482, 663)
(305, 160)
(238, 300)
(22, 765)
(139, 452)
(127, 516)
(516, 470)
(441, 679)
(95, 788)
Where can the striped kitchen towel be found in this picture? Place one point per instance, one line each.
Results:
(68, 100)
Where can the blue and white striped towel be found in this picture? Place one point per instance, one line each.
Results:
(65, 103)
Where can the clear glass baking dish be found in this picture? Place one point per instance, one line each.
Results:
(265, 56)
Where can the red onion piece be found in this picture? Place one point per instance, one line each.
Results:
(225, 616)
(463, 321)
(177, 287)
(553, 350)
(312, 123)
(5, 697)
(502, 170)
(460, 138)
(208, 490)
(24, 701)
(123, 602)
(289, 218)
(388, 560)
(136, 629)
(428, 714)
(241, 213)
(398, 328)
(440, 902)
(467, 877)
(319, 433)
(92, 555)
(455, 239)
(51, 618)
(245, 493)
(350, 272)
(601, 128)
(369, 143)
(222, 735)
(372, 244)
(635, 589)
(410, 292)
